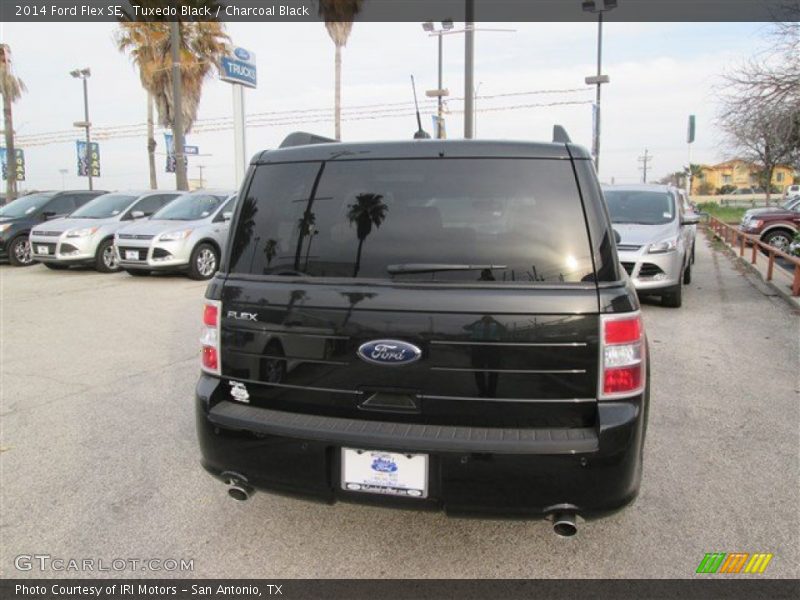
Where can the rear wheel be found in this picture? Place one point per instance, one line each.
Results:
(687, 274)
(674, 297)
(137, 272)
(204, 262)
(19, 252)
(105, 260)
(693, 245)
(55, 266)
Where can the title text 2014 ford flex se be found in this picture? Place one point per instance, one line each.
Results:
(431, 324)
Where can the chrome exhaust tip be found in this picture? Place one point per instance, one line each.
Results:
(564, 525)
(238, 488)
(239, 492)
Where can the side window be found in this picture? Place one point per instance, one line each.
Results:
(228, 207)
(151, 204)
(61, 205)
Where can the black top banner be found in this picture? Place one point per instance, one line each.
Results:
(401, 10)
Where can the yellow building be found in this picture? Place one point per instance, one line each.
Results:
(739, 174)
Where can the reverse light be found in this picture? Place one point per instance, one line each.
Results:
(622, 355)
(209, 337)
(663, 246)
(79, 233)
(172, 236)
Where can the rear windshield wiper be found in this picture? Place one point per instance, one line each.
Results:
(434, 267)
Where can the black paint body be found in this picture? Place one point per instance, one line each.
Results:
(503, 397)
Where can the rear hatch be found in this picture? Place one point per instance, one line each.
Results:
(483, 264)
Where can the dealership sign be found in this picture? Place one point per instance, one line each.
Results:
(88, 161)
(239, 68)
(18, 164)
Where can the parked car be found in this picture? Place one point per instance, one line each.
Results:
(19, 216)
(656, 238)
(791, 191)
(775, 226)
(86, 236)
(186, 235)
(429, 324)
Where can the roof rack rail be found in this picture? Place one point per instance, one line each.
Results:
(301, 138)
(560, 135)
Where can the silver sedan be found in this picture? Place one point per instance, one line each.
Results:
(187, 235)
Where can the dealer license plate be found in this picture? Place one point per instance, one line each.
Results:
(42, 250)
(380, 472)
(131, 255)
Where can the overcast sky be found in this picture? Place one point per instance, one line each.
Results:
(660, 73)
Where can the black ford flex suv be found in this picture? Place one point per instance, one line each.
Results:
(429, 324)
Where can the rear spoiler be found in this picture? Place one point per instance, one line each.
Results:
(560, 135)
(301, 138)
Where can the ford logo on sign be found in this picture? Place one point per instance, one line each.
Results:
(242, 54)
(389, 352)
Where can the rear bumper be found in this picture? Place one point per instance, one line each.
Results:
(502, 472)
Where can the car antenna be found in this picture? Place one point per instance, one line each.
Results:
(421, 134)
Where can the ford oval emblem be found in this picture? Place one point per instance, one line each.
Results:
(242, 54)
(389, 352)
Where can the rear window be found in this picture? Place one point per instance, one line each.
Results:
(445, 220)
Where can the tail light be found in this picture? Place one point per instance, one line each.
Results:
(209, 339)
(622, 356)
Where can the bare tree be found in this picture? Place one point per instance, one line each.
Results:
(760, 112)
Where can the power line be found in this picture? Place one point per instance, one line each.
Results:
(289, 117)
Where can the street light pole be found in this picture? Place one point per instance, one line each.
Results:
(88, 129)
(439, 109)
(599, 7)
(178, 140)
(469, 68)
(84, 74)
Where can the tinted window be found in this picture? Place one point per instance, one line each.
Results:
(190, 207)
(26, 205)
(104, 207)
(491, 220)
(638, 206)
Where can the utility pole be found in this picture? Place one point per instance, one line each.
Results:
(200, 168)
(177, 109)
(645, 160)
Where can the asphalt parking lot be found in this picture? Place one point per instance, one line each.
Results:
(98, 456)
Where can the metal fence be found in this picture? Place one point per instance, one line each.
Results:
(732, 235)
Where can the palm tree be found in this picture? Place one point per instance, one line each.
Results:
(12, 88)
(142, 41)
(203, 44)
(692, 171)
(369, 209)
(339, 15)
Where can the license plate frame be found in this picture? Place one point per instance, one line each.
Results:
(381, 472)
